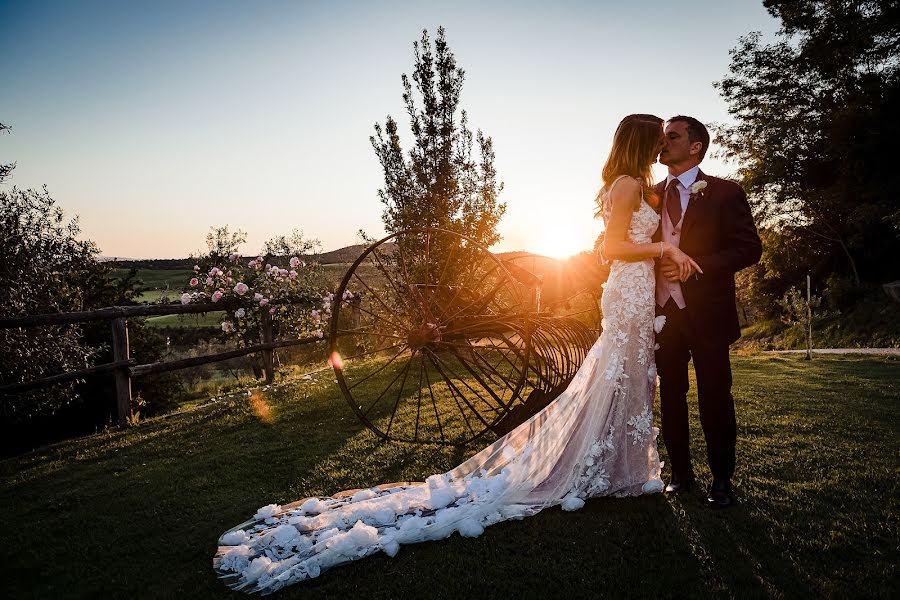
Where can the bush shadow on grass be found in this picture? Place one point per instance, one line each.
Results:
(114, 509)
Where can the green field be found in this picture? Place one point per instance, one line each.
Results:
(157, 282)
(170, 282)
(210, 319)
(137, 512)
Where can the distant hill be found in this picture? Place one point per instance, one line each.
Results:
(166, 264)
(347, 254)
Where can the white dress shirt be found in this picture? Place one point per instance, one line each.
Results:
(686, 180)
(671, 232)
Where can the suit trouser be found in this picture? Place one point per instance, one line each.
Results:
(678, 343)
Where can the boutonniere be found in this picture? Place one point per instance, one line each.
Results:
(697, 187)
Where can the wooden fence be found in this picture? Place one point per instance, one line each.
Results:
(125, 368)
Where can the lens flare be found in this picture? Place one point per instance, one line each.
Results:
(336, 361)
(260, 408)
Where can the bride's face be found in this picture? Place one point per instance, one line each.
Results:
(660, 145)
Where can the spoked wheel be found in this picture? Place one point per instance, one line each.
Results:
(433, 342)
(566, 324)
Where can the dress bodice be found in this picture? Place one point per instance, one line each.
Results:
(644, 221)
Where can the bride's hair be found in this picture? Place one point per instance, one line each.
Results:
(633, 152)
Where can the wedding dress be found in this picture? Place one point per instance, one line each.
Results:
(595, 439)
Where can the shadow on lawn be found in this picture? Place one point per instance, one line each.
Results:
(113, 509)
(733, 547)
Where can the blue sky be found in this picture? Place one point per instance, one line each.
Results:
(153, 121)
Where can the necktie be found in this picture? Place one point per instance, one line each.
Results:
(673, 202)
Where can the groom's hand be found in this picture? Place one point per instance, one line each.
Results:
(671, 271)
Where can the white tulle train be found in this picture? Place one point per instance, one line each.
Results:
(595, 439)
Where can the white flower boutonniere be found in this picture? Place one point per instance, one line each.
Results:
(697, 187)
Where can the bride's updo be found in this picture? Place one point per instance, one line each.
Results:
(634, 150)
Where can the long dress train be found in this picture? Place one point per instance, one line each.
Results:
(596, 439)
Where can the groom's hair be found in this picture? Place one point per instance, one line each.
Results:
(697, 132)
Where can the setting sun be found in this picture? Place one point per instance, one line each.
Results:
(557, 241)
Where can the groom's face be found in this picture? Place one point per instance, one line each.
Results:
(677, 147)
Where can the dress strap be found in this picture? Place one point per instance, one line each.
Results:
(613, 184)
(617, 180)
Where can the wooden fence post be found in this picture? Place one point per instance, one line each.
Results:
(355, 313)
(123, 377)
(265, 334)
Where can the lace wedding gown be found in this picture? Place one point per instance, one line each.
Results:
(595, 439)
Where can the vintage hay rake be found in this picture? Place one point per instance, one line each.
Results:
(436, 340)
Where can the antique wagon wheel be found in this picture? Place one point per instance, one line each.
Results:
(430, 337)
(566, 324)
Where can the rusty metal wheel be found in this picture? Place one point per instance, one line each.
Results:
(565, 325)
(430, 337)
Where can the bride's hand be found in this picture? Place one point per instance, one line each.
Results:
(683, 266)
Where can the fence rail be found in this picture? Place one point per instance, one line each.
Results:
(125, 368)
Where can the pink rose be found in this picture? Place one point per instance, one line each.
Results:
(241, 288)
(264, 301)
(194, 282)
(209, 281)
(217, 295)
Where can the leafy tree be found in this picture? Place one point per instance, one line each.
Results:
(290, 245)
(46, 269)
(815, 132)
(221, 242)
(442, 183)
(6, 169)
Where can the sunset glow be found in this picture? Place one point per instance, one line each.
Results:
(168, 118)
(558, 242)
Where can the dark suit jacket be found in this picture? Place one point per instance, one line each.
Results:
(718, 232)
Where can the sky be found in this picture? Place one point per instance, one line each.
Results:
(153, 121)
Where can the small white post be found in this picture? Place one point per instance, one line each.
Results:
(808, 318)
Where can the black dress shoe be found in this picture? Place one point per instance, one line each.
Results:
(720, 495)
(680, 484)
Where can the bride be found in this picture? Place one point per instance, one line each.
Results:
(596, 439)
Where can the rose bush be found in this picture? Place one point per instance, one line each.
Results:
(253, 290)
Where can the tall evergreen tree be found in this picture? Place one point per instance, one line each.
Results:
(441, 183)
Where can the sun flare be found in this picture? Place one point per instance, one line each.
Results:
(557, 242)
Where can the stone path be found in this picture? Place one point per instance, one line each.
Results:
(882, 351)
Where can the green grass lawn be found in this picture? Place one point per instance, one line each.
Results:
(136, 513)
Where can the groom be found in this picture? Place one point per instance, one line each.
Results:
(710, 220)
